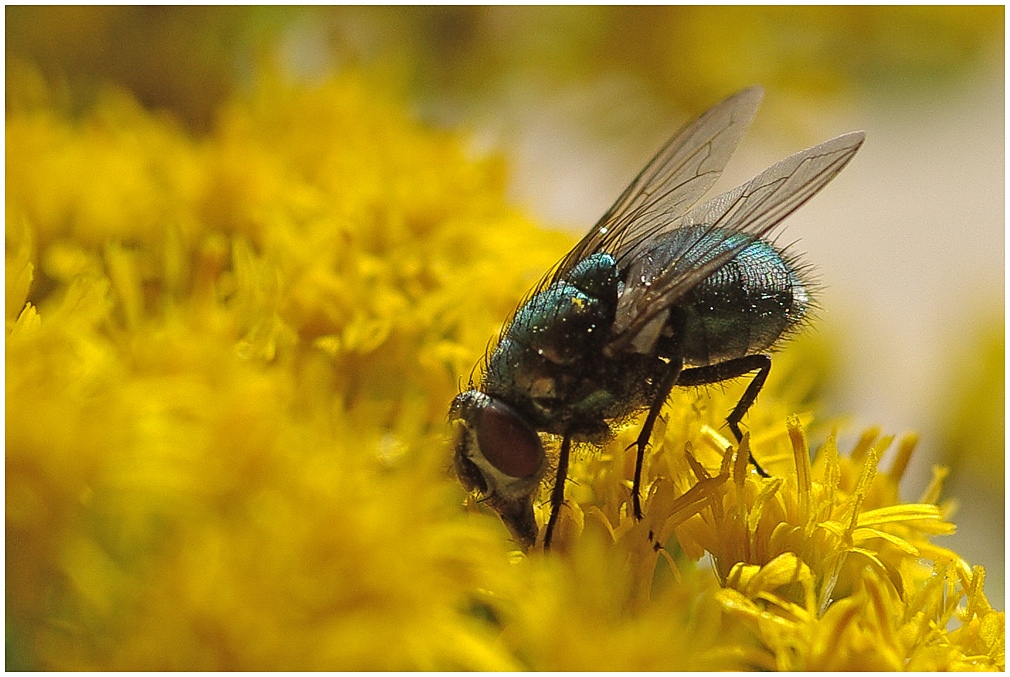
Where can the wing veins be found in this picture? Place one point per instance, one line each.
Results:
(752, 209)
(675, 179)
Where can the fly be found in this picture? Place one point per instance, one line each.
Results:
(660, 293)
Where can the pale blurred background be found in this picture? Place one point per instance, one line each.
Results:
(909, 240)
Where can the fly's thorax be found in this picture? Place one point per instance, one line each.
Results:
(546, 359)
(597, 276)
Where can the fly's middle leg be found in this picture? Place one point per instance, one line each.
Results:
(667, 381)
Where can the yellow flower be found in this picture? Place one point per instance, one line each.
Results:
(229, 360)
(228, 365)
(822, 562)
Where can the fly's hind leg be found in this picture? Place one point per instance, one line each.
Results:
(723, 371)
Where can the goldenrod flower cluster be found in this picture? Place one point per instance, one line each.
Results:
(229, 360)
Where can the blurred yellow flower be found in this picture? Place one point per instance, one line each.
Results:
(229, 360)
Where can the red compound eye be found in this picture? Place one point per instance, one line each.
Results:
(507, 442)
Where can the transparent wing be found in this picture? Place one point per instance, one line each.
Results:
(654, 279)
(676, 178)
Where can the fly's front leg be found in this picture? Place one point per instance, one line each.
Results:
(670, 378)
(723, 371)
(558, 493)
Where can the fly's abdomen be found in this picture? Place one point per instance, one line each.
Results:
(743, 308)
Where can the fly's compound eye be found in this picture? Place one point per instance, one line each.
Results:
(497, 451)
(507, 442)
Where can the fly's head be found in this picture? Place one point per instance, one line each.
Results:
(498, 454)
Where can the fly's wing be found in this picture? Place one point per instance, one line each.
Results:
(676, 178)
(653, 284)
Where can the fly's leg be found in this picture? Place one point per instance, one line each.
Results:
(558, 493)
(669, 379)
(763, 364)
(723, 371)
(674, 374)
